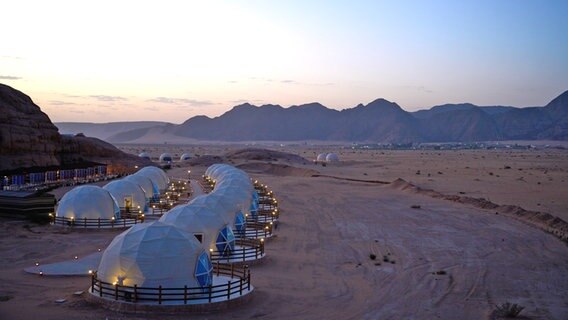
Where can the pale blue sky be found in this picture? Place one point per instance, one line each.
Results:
(134, 60)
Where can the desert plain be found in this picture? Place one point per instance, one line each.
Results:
(435, 257)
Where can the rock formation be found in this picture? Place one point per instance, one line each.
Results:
(28, 138)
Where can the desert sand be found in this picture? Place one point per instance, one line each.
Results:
(319, 263)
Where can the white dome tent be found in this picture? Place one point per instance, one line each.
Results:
(166, 157)
(127, 194)
(221, 205)
(88, 202)
(185, 157)
(144, 155)
(155, 254)
(212, 229)
(332, 157)
(150, 189)
(321, 157)
(157, 175)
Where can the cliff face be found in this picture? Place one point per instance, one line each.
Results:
(28, 138)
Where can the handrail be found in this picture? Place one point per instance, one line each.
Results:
(96, 223)
(240, 281)
(250, 249)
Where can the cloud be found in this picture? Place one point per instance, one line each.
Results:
(60, 103)
(10, 78)
(108, 98)
(182, 101)
(417, 88)
(289, 81)
(233, 81)
(11, 57)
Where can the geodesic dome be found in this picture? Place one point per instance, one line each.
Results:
(321, 157)
(144, 155)
(184, 157)
(127, 194)
(157, 175)
(150, 255)
(89, 202)
(165, 157)
(332, 157)
(150, 189)
(201, 221)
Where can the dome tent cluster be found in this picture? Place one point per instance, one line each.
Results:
(150, 255)
(327, 157)
(125, 199)
(165, 157)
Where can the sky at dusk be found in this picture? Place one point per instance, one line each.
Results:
(102, 61)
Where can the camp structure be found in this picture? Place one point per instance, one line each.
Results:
(90, 206)
(165, 157)
(185, 157)
(144, 155)
(150, 189)
(321, 157)
(212, 227)
(159, 265)
(129, 196)
(332, 157)
(158, 176)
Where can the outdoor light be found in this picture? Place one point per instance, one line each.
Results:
(90, 271)
(37, 264)
(261, 239)
(76, 257)
(41, 273)
(99, 249)
(210, 250)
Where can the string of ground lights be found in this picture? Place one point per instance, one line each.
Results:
(217, 235)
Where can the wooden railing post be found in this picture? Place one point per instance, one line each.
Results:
(99, 222)
(210, 291)
(241, 286)
(135, 292)
(248, 279)
(229, 290)
(160, 294)
(116, 292)
(85, 222)
(185, 294)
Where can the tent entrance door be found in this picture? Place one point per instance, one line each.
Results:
(128, 203)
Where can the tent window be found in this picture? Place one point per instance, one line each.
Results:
(240, 222)
(199, 237)
(203, 270)
(225, 241)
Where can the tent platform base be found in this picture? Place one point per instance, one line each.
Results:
(143, 308)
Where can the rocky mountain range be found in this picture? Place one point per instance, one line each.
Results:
(28, 139)
(380, 121)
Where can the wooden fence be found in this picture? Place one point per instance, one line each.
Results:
(238, 284)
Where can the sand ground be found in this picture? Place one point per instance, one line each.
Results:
(319, 265)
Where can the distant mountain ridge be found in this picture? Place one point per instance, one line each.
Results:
(380, 121)
(104, 130)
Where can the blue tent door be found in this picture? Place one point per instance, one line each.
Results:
(225, 241)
